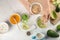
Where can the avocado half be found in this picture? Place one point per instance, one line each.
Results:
(52, 34)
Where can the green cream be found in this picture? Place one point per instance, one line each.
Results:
(25, 17)
(40, 23)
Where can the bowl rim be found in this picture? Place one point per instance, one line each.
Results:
(35, 34)
(6, 26)
(37, 4)
(41, 34)
(36, 23)
(14, 14)
(30, 28)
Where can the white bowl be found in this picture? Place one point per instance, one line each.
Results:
(36, 23)
(41, 35)
(4, 27)
(37, 4)
(34, 34)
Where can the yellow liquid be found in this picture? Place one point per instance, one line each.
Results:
(15, 18)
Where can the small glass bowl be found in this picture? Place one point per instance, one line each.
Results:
(37, 4)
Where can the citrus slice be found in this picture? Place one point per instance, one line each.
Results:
(15, 17)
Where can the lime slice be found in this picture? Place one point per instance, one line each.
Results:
(53, 15)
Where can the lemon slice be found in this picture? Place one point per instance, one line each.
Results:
(53, 15)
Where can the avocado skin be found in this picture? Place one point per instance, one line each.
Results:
(57, 8)
(58, 27)
(52, 34)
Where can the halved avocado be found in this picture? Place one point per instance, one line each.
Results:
(53, 15)
(52, 34)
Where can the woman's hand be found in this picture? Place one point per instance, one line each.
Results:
(26, 4)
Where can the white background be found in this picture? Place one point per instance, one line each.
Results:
(8, 7)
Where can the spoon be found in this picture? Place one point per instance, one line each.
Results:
(16, 23)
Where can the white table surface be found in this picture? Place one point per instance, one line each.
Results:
(8, 7)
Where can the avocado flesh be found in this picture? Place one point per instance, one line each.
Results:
(53, 15)
(40, 24)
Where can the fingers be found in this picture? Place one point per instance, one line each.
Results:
(45, 17)
(26, 4)
(45, 6)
